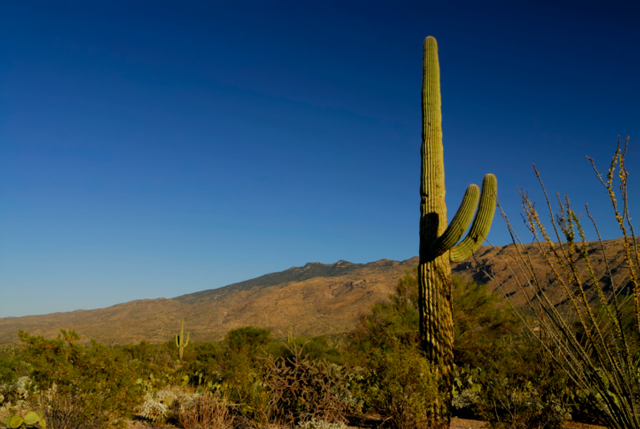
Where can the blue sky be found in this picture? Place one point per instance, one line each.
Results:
(153, 148)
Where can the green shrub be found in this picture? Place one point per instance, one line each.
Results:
(404, 388)
(518, 404)
(487, 332)
(248, 340)
(481, 321)
(11, 366)
(96, 379)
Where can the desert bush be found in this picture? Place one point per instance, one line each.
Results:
(589, 338)
(69, 410)
(518, 404)
(314, 423)
(305, 388)
(96, 379)
(156, 364)
(488, 333)
(404, 387)
(11, 365)
(16, 396)
(205, 411)
(247, 340)
(205, 363)
(163, 405)
(482, 323)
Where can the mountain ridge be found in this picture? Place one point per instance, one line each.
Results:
(315, 299)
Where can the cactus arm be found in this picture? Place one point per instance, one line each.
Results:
(459, 223)
(482, 222)
(187, 342)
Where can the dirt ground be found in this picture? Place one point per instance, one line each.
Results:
(456, 423)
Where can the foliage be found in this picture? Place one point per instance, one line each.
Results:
(11, 366)
(404, 388)
(591, 339)
(305, 388)
(95, 379)
(516, 405)
(15, 397)
(65, 410)
(314, 423)
(163, 405)
(248, 339)
(207, 410)
(486, 332)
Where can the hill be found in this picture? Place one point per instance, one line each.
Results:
(315, 299)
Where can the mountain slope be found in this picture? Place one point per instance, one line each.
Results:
(315, 299)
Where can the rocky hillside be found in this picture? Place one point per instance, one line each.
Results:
(315, 299)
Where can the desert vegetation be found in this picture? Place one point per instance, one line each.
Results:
(373, 376)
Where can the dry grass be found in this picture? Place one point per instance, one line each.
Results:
(205, 411)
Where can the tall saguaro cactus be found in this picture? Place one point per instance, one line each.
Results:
(437, 240)
(180, 341)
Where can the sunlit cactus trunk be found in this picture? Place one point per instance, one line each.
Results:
(438, 241)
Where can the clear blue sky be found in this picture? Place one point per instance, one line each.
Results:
(151, 148)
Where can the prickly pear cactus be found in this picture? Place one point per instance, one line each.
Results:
(438, 241)
(29, 420)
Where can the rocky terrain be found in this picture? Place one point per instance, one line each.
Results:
(315, 299)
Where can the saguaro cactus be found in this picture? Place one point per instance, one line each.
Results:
(180, 341)
(437, 240)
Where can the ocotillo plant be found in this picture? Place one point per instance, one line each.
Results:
(437, 240)
(180, 341)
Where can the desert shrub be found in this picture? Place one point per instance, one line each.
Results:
(69, 410)
(205, 363)
(247, 340)
(16, 396)
(163, 405)
(11, 365)
(515, 404)
(404, 388)
(96, 377)
(156, 364)
(242, 383)
(589, 338)
(530, 390)
(481, 321)
(487, 333)
(305, 388)
(204, 411)
(390, 323)
(321, 347)
(314, 423)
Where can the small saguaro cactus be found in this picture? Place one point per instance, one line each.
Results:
(438, 246)
(180, 341)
